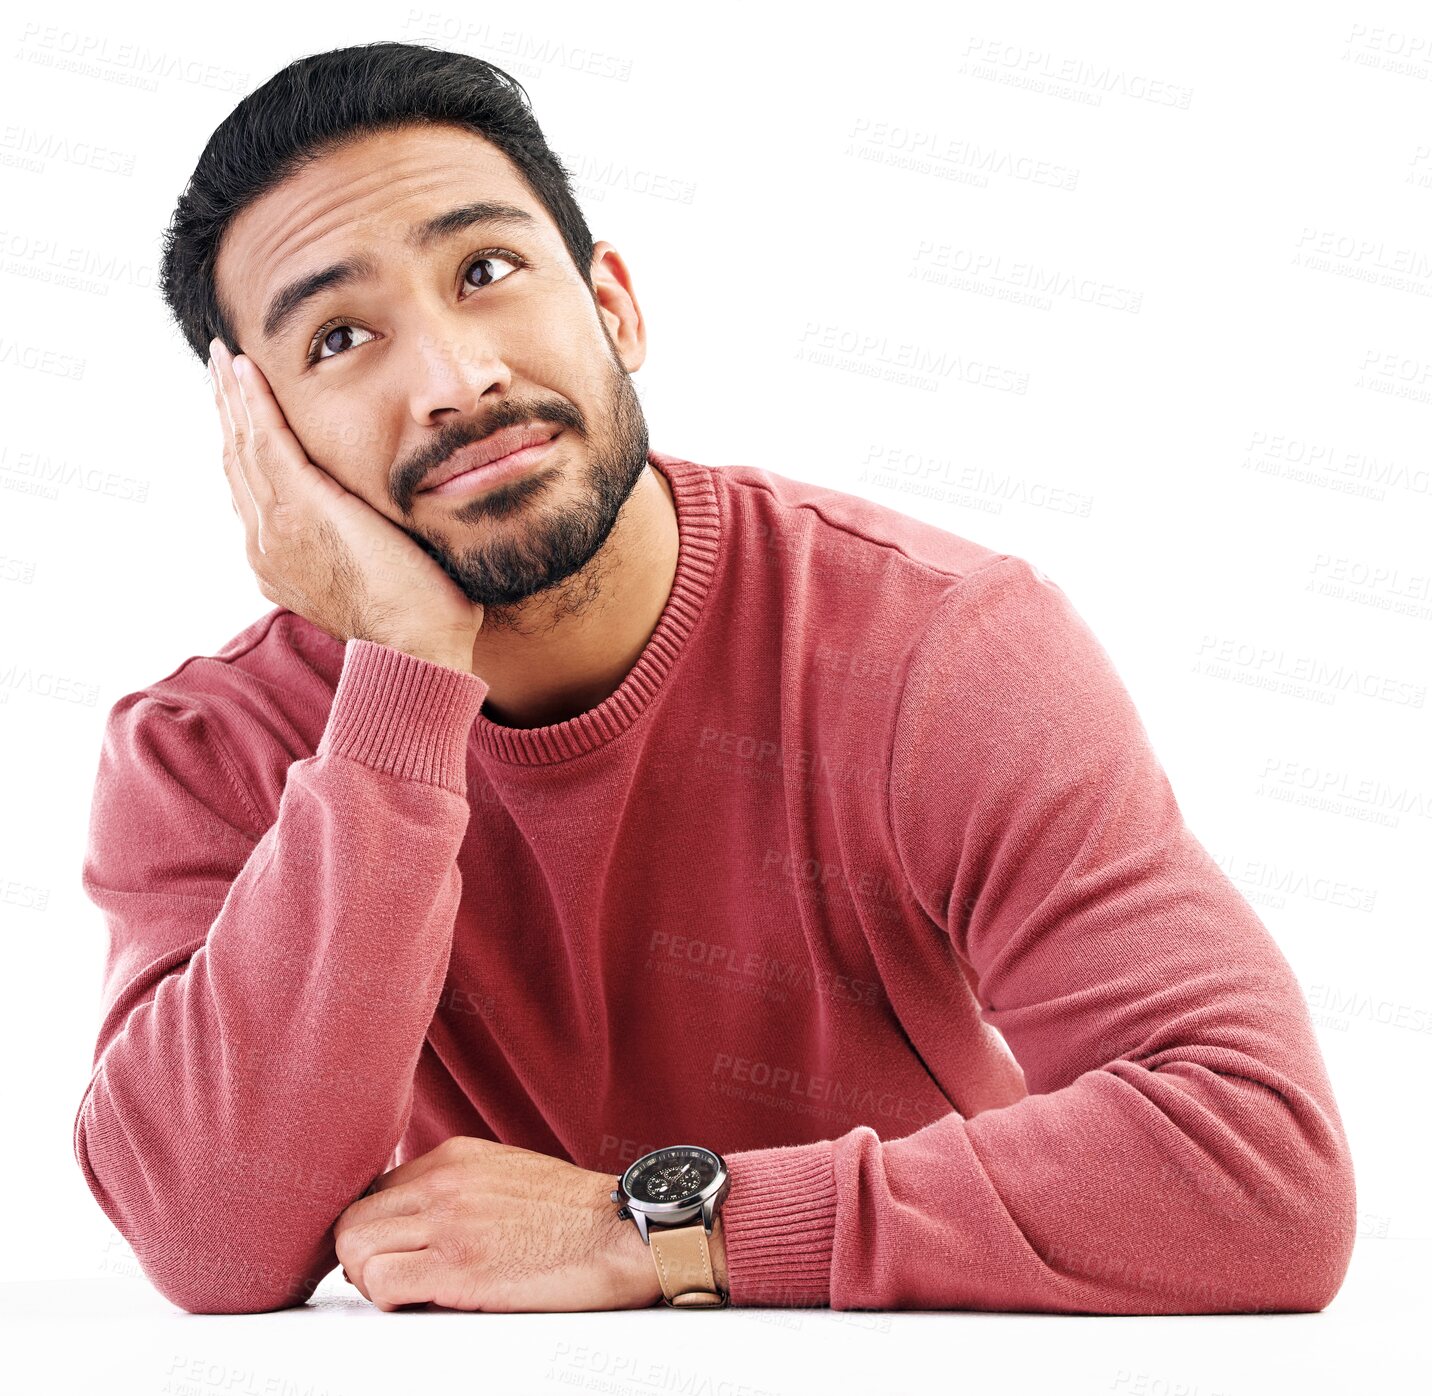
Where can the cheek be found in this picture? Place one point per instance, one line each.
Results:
(347, 435)
(552, 342)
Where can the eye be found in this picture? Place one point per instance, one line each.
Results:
(479, 262)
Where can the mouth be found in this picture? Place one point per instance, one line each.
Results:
(493, 459)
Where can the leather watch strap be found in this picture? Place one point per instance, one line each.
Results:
(683, 1265)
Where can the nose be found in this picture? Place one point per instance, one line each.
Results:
(453, 369)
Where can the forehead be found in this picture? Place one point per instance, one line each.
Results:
(365, 197)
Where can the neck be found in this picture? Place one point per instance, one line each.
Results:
(559, 659)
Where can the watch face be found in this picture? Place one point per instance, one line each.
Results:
(674, 1175)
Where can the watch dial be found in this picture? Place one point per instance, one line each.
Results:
(671, 1175)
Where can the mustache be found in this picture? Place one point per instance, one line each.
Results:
(456, 435)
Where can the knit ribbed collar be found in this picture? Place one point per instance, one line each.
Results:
(698, 522)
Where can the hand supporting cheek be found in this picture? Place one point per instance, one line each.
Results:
(320, 550)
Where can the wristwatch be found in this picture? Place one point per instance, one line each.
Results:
(672, 1196)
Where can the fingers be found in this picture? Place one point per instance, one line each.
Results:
(380, 1206)
(395, 1278)
(242, 499)
(395, 1235)
(265, 437)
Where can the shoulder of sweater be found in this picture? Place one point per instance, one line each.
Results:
(823, 518)
(1007, 612)
(940, 600)
(278, 660)
(1008, 659)
(258, 702)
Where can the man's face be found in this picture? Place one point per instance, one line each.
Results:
(486, 325)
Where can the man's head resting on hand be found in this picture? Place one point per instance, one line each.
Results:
(444, 327)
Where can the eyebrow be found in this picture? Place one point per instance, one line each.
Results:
(283, 309)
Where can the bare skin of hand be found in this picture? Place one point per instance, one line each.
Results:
(317, 548)
(477, 1225)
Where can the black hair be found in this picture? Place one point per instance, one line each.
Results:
(320, 103)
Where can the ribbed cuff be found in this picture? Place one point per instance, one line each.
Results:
(404, 715)
(779, 1224)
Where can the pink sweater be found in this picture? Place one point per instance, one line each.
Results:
(872, 804)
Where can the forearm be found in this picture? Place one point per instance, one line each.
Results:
(1178, 1187)
(252, 1094)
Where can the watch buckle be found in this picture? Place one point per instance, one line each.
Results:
(698, 1299)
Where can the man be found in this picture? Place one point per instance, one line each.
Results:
(579, 806)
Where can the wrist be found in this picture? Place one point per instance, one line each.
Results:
(430, 650)
(463, 664)
(634, 1282)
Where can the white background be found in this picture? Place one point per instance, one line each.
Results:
(1141, 296)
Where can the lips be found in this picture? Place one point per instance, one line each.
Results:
(484, 452)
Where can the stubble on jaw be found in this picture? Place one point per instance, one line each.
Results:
(508, 564)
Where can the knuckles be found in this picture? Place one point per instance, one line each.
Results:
(441, 1191)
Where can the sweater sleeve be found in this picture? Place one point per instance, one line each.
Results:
(1180, 1150)
(266, 996)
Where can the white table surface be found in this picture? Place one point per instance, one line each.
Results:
(115, 1334)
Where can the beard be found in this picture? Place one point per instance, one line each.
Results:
(556, 554)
